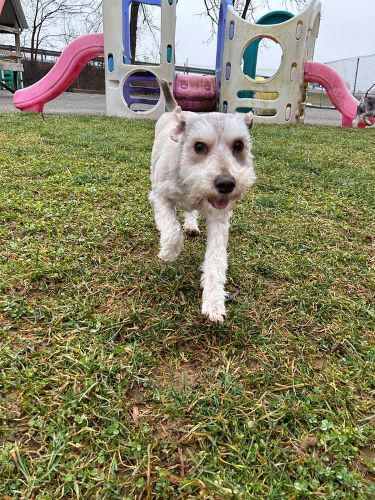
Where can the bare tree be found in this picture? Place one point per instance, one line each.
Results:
(93, 18)
(90, 20)
(134, 13)
(142, 24)
(54, 21)
(247, 9)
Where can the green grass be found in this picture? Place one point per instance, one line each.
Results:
(111, 383)
(319, 99)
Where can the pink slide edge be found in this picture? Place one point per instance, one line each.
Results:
(336, 88)
(62, 75)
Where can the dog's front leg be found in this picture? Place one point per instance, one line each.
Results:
(171, 234)
(215, 267)
(191, 223)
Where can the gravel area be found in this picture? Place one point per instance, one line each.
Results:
(94, 104)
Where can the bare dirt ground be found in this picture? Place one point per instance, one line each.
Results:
(94, 104)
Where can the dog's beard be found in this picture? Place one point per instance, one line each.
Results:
(199, 187)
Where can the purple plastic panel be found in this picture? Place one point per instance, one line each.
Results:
(141, 87)
(220, 37)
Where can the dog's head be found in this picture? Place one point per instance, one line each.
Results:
(365, 110)
(215, 159)
(361, 106)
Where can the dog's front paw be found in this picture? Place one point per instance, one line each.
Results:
(192, 231)
(171, 246)
(214, 312)
(167, 256)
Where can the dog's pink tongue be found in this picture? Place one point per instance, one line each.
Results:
(220, 204)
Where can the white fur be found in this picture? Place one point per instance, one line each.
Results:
(183, 178)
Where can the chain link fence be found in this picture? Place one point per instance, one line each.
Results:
(358, 72)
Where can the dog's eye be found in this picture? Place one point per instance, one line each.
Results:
(237, 147)
(200, 148)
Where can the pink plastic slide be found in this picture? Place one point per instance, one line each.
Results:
(336, 89)
(62, 75)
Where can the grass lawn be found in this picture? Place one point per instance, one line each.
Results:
(111, 383)
(319, 99)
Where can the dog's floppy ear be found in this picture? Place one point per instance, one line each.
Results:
(249, 120)
(178, 130)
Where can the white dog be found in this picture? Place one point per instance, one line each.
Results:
(200, 163)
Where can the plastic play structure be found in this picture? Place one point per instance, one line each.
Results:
(296, 37)
(12, 23)
(133, 90)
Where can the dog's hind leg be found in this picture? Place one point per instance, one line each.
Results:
(215, 267)
(171, 234)
(191, 223)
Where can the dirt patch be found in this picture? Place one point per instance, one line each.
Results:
(116, 304)
(3, 320)
(306, 446)
(13, 406)
(140, 413)
(318, 363)
(116, 301)
(138, 394)
(365, 463)
(177, 377)
(168, 429)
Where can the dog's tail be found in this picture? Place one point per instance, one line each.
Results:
(170, 101)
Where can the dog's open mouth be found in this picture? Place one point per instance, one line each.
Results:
(219, 204)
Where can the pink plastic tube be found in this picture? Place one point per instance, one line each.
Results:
(336, 89)
(62, 75)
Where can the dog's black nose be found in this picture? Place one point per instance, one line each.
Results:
(225, 183)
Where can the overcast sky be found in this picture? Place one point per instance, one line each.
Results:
(346, 30)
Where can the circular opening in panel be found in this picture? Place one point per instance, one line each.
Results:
(141, 91)
(262, 58)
